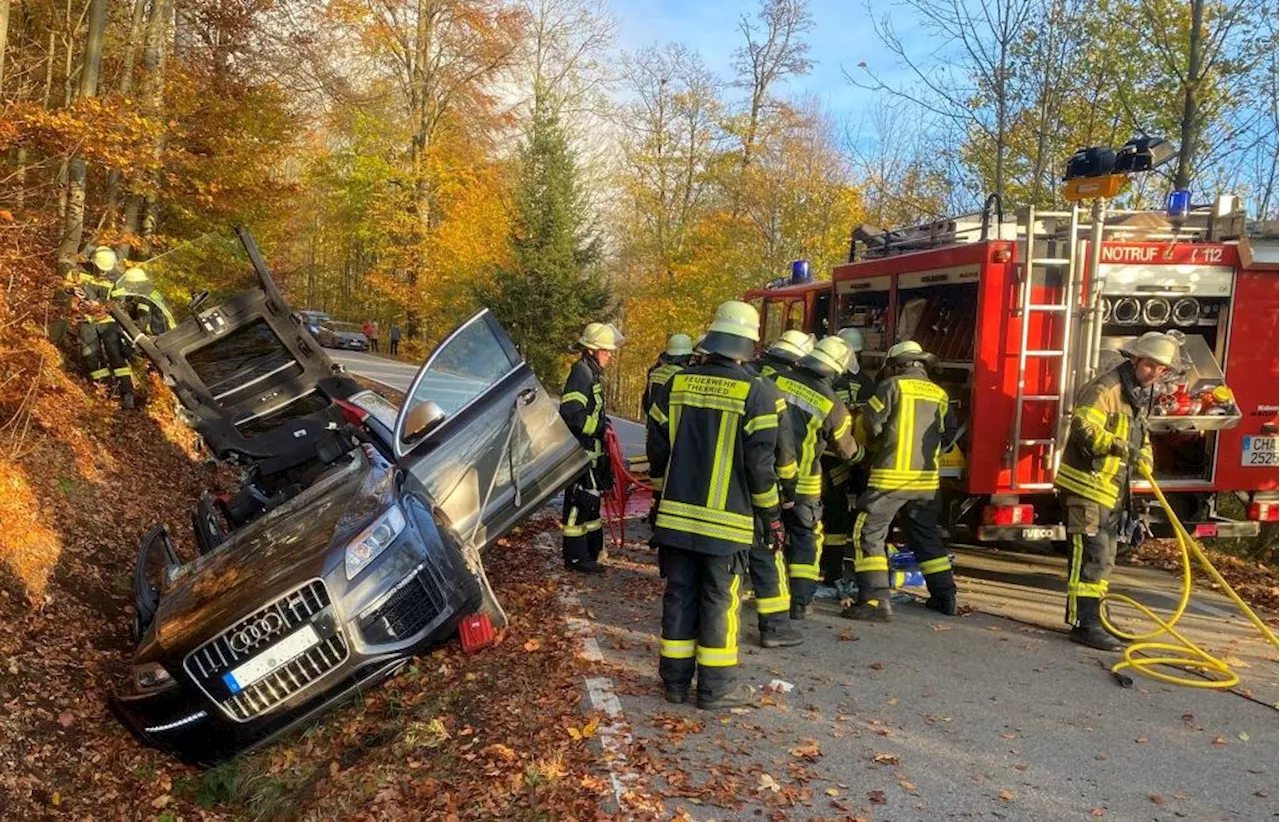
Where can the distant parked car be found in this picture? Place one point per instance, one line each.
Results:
(334, 334)
(312, 319)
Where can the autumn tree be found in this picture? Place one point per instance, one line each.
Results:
(553, 286)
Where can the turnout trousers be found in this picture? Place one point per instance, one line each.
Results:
(804, 547)
(102, 347)
(581, 528)
(768, 570)
(1092, 535)
(700, 614)
(837, 527)
(876, 510)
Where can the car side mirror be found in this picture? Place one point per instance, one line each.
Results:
(422, 418)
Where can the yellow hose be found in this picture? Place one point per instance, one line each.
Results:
(1145, 656)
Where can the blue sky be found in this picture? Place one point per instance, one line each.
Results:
(841, 36)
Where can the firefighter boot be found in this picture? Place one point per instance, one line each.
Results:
(799, 612)
(1089, 631)
(675, 694)
(738, 697)
(584, 566)
(942, 592)
(873, 610)
(942, 603)
(780, 636)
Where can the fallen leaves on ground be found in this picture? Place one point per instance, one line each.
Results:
(1253, 581)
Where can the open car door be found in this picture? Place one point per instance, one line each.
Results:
(483, 439)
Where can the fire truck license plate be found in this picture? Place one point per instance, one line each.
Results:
(1260, 451)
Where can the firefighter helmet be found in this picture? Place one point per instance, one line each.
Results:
(792, 345)
(104, 259)
(734, 331)
(829, 357)
(905, 351)
(134, 275)
(697, 344)
(601, 337)
(853, 337)
(679, 345)
(1156, 346)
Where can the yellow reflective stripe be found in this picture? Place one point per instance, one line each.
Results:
(735, 601)
(769, 499)
(857, 534)
(1089, 414)
(100, 374)
(656, 413)
(707, 385)
(678, 648)
(871, 564)
(725, 404)
(797, 393)
(573, 396)
(1073, 578)
(935, 566)
(773, 605)
(787, 471)
(760, 423)
(843, 429)
(717, 657)
(1090, 590)
(804, 572)
(875, 403)
(1088, 485)
(693, 526)
(780, 406)
(593, 422)
(719, 517)
(838, 539)
(780, 567)
(810, 484)
(722, 463)
(592, 525)
(656, 482)
(104, 320)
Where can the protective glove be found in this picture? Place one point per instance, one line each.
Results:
(777, 535)
(1120, 448)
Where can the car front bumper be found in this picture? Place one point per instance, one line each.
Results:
(411, 602)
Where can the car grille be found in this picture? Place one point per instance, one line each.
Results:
(306, 605)
(415, 603)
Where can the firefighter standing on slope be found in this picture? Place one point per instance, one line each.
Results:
(821, 424)
(844, 481)
(908, 414)
(1108, 434)
(676, 356)
(712, 435)
(101, 343)
(582, 408)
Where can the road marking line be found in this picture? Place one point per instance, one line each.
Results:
(600, 690)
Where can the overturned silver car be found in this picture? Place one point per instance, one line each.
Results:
(355, 537)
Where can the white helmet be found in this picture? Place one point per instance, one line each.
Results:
(852, 336)
(1156, 346)
(601, 337)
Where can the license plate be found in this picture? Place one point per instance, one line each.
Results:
(1260, 451)
(1037, 533)
(277, 656)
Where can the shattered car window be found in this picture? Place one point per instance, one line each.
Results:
(464, 368)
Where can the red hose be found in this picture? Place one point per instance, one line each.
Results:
(624, 485)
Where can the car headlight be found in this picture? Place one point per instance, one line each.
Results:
(151, 676)
(373, 540)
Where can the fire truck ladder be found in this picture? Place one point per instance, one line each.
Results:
(1057, 233)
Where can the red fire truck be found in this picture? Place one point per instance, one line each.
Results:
(1020, 317)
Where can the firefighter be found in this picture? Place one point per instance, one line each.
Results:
(1108, 434)
(785, 352)
(582, 408)
(907, 414)
(844, 481)
(712, 435)
(145, 304)
(767, 559)
(821, 424)
(678, 352)
(101, 343)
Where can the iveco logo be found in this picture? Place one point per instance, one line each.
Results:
(255, 632)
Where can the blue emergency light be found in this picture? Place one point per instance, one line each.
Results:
(1179, 204)
(800, 272)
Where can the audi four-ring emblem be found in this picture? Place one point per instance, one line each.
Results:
(252, 634)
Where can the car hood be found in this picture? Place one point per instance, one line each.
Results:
(351, 335)
(270, 556)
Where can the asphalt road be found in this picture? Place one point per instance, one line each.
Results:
(399, 375)
(929, 718)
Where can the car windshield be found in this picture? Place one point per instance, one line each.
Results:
(314, 317)
(346, 328)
